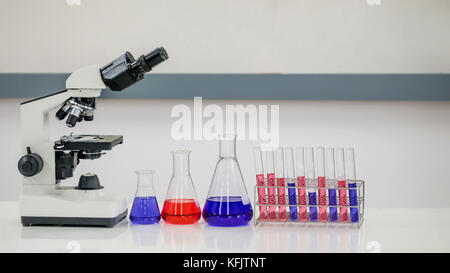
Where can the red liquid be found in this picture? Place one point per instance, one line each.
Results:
(261, 196)
(181, 211)
(282, 198)
(302, 199)
(322, 199)
(342, 201)
(271, 183)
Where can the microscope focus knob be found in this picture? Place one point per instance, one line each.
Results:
(30, 164)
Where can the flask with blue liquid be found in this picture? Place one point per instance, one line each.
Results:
(145, 210)
(227, 203)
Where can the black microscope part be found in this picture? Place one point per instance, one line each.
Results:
(30, 164)
(89, 118)
(69, 151)
(126, 70)
(65, 164)
(71, 121)
(89, 182)
(63, 111)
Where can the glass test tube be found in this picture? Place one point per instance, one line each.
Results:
(271, 183)
(300, 156)
(321, 181)
(331, 175)
(351, 176)
(310, 174)
(279, 174)
(290, 176)
(260, 182)
(340, 175)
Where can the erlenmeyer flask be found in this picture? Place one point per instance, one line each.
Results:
(145, 208)
(181, 206)
(227, 203)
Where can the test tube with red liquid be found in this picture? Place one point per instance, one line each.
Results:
(340, 175)
(270, 161)
(260, 182)
(310, 175)
(331, 176)
(279, 175)
(290, 178)
(321, 181)
(300, 173)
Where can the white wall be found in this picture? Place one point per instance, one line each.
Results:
(402, 148)
(229, 36)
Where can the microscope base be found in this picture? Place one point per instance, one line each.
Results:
(72, 221)
(71, 207)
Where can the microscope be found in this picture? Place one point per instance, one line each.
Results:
(46, 163)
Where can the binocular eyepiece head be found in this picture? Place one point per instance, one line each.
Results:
(126, 70)
(117, 75)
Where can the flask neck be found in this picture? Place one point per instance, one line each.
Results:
(144, 183)
(227, 146)
(181, 162)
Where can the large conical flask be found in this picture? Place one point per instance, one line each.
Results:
(181, 206)
(227, 203)
(145, 208)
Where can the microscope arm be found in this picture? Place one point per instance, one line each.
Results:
(83, 83)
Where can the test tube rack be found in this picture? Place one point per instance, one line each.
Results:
(310, 184)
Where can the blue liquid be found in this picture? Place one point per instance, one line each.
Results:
(145, 211)
(292, 201)
(312, 210)
(333, 202)
(354, 215)
(227, 211)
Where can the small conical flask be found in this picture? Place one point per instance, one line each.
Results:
(145, 208)
(227, 203)
(181, 206)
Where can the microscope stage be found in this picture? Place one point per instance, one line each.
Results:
(87, 142)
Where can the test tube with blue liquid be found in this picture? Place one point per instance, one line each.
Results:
(290, 177)
(310, 175)
(350, 173)
(331, 176)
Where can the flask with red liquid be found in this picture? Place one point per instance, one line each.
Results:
(181, 206)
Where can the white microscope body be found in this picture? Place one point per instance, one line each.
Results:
(43, 200)
(47, 162)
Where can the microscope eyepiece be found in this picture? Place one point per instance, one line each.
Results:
(156, 57)
(125, 70)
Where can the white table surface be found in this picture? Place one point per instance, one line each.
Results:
(383, 230)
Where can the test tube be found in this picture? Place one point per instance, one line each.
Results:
(290, 177)
(321, 181)
(300, 156)
(351, 176)
(310, 174)
(331, 176)
(260, 182)
(271, 183)
(340, 175)
(279, 174)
